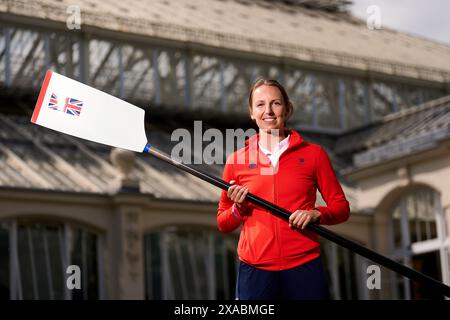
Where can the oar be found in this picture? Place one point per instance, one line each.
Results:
(71, 107)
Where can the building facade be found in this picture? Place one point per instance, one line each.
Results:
(139, 229)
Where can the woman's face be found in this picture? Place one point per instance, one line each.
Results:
(268, 108)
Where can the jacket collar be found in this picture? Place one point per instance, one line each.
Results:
(294, 140)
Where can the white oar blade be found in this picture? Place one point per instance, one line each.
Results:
(77, 109)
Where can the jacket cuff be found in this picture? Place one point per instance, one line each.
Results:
(235, 212)
(323, 214)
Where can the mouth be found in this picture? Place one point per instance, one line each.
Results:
(269, 120)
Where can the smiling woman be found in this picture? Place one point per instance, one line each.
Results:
(269, 105)
(277, 261)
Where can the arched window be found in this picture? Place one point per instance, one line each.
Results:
(418, 234)
(190, 263)
(37, 255)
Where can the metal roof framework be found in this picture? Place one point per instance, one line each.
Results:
(191, 79)
(403, 133)
(34, 158)
(155, 20)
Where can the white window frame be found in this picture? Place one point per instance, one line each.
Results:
(407, 250)
(66, 241)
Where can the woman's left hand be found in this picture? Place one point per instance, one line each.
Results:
(301, 218)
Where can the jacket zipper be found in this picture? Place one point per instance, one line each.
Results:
(277, 222)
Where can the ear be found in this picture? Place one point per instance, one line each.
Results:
(289, 111)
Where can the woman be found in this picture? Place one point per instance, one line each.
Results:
(279, 260)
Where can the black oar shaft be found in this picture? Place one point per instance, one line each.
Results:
(327, 234)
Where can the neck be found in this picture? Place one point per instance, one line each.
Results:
(270, 138)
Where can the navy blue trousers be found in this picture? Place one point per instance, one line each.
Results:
(305, 282)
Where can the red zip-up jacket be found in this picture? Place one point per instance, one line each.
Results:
(266, 241)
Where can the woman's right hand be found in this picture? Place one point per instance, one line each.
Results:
(237, 194)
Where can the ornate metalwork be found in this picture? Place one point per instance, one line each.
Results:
(173, 77)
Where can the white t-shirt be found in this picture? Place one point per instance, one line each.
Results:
(278, 150)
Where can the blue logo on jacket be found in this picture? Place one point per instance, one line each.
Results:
(252, 166)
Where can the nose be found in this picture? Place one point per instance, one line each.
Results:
(268, 109)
